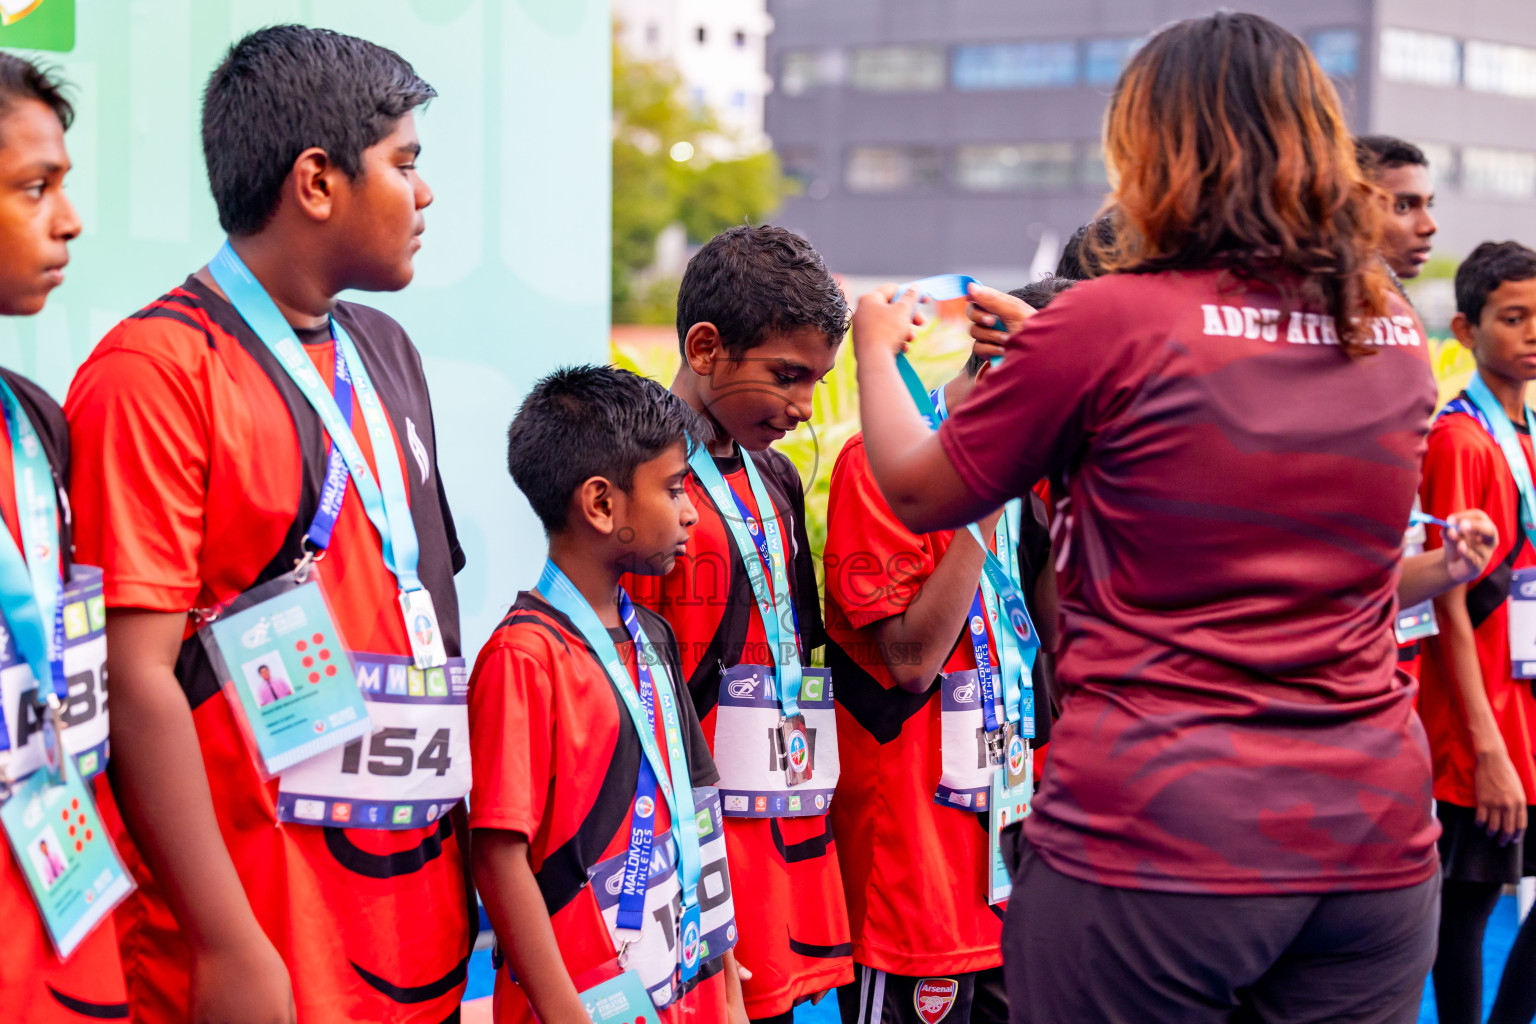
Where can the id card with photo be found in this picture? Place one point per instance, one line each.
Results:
(75, 874)
(280, 660)
(1011, 789)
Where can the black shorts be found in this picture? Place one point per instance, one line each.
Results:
(1080, 953)
(876, 997)
(1469, 854)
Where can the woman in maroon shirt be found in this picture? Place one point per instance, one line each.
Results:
(1236, 814)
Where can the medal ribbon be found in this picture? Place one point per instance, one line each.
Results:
(771, 588)
(672, 775)
(384, 499)
(31, 582)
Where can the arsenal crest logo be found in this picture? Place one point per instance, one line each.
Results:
(933, 998)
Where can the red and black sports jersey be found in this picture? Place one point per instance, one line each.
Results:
(915, 871)
(1233, 720)
(35, 986)
(556, 758)
(790, 911)
(1465, 468)
(197, 469)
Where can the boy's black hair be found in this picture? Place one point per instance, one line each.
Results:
(586, 421)
(21, 80)
(1076, 264)
(751, 282)
(1377, 153)
(282, 90)
(1038, 294)
(1490, 265)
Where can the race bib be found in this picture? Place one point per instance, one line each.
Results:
(754, 756)
(1522, 623)
(657, 954)
(85, 707)
(969, 761)
(409, 772)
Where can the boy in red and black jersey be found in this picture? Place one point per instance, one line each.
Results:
(560, 771)
(1477, 708)
(37, 223)
(759, 322)
(916, 868)
(198, 471)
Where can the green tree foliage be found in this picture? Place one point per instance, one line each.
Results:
(651, 190)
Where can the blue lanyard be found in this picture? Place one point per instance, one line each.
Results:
(31, 588)
(386, 505)
(334, 491)
(770, 585)
(642, 829)
(760, 539)
(1497, 424)
(675, 781)
(985, 600)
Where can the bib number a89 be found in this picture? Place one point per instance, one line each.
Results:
(391, 754)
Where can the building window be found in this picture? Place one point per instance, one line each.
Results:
(1494, 67)
(799, 163)
(739, 100)
(652, 33)
(1095, 173)
(1017, 167)
(702, 35)
(1505, 173)
(1337, 51)
(1016, 66)
(741, 40)
(805, 70)
(1442, 162)
(898, 69)
(893, 168)
(1104, 59)
(1422, 57)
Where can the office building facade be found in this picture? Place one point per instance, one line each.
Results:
(956, 135)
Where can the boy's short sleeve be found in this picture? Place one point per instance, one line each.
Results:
(138, 478)
(1458, 472)
(511, 740)
(874, 565)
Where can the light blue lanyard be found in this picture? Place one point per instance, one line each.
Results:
(1013, 658)
(1503, 432)
(775, 604)
(31, 587)
(387, 508)
(673, 775)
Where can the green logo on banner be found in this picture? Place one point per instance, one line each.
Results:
(38, 25)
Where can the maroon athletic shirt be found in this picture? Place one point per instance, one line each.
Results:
(1233, 720)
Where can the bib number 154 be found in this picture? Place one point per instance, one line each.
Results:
(392, 754)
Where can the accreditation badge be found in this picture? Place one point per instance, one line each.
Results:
(1012, 786)
(280, 660)
(70, 864)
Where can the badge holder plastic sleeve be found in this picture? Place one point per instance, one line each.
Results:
(92, 881)
(243, 705)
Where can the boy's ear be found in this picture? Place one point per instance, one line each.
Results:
(594, 504)
(703, 348)
(312, 183)
(1461, 327)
